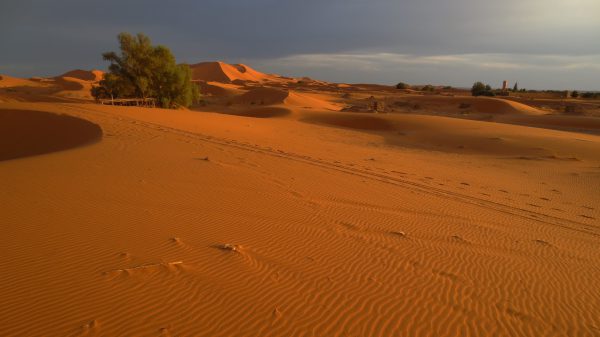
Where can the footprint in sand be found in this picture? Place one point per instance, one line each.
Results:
(542, 242)
(93, 324)
(457, 238)
(452, 277)
(398, 234)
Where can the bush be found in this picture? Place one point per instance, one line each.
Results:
(575, 94)
(593, 95)
(402, 85)
(480, 89)
(428, 87)
(146, 71)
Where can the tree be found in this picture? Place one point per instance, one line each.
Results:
(146, 71)
(575, 94)
(480, 89)
(402, 85)
(516, 87)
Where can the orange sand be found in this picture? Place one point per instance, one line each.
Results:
(306, 222)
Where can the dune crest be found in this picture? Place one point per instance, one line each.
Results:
(227, 73)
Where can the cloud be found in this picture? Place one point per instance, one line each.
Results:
(534, 70)
(384, 37)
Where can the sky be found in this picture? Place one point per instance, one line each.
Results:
(541, 44)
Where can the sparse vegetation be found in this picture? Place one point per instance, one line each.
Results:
(146, 71)
(591, 95)
(480, 89)
(575, 94)
(428, 87)
(402, 85)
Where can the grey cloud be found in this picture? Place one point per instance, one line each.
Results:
(47, 37)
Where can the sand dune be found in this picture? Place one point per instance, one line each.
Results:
(27, 132)
(86, 75)
(263, 96)
(73, 85)
(466, 104)
(463, 136)
(317, 222)
(8, 81)
(227, 73)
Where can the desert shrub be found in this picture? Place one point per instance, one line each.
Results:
(480, 89)
(428, 87)
(146, 71)
(402, 85)
(575, 94)
(592, 95)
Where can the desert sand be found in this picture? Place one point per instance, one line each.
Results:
(284, 207)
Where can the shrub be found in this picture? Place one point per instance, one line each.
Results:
(480, 89)
(428, 87)
(590, 95)
(575, 94)
(146, 71)
(402, 85)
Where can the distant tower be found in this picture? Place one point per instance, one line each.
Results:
(504, 85)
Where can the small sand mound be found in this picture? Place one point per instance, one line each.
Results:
(8, 81)
(351, 121)
(263, 96)
(85, 75)
(468, 104)
(208, 89)
(70, 83)
(263, 112)
(39, 132)
(501, 106)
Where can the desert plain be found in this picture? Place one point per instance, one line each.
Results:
(282, 206)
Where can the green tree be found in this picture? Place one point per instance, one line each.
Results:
(575, 94)
(480, 89)
(477, 89)
(143, 71)
(402, 85)
(516, 87)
